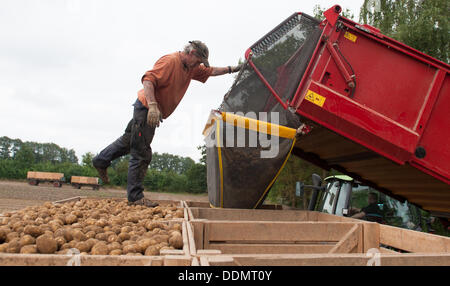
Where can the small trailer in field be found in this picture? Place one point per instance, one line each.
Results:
(79, 181)
(34, 178)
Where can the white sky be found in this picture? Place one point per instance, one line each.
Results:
(70, 69)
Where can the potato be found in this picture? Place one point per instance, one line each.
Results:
(48, 232)
(65, 246)
(134, 237)
(26, 240)
(59, 232)
(60, 241)
(33, 230)
(117, 221)
(161, 238)
(115, 252)
(152, 251)
(83, 246)
(68, 236)
(78, 235)
(176, 240)
(179, 213)
(124, 236)
(100, 249)
(12, 235)
(70, 219)
(90, 234)
(102, 236)
(29, 249)
(145, 243)
(152, 225)
(2, 236)
(177, 226)
(125, 229)
(4, 247)
(101, 223)
(114, 245)
(113, 238)
(46, 244)
(131, 248)
(128, 242)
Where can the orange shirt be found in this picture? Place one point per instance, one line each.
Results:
(171, 80)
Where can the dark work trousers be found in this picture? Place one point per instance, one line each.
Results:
(135, 141)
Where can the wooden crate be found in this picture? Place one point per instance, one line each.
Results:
(277, 237)
(46, 176)
(354, 259)
(7, 259)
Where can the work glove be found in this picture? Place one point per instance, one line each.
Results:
(237, 68)
(154, 116)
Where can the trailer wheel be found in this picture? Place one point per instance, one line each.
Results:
(33, 182)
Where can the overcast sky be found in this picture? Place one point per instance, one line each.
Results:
(70, 69)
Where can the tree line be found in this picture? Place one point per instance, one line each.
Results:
(166, 173)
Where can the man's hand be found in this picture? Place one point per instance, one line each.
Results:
(237, 68)
(154, 116)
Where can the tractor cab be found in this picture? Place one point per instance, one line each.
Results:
(343, 196)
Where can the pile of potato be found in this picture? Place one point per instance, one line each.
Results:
(93, 226)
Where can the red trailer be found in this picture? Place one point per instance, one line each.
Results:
(379, 110)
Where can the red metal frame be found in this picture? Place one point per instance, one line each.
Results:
(390, 118)
(266, 83)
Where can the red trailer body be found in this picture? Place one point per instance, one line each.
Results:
(380, 112)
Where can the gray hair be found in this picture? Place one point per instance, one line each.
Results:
(188, 48)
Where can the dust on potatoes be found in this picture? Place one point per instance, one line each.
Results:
(94, 227)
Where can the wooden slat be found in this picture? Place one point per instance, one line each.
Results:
(230, 248)
(250, 214)
(353, 259)
(371, 236)
(349, 242)
(275, 231)
(191, 239)
(413, 241)
(90, 260)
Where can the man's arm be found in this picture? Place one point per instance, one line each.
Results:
(359, 215)
(224, 70)
(154, 114)
(149, 91)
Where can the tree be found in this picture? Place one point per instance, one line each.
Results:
(25, 156)
(421, 24)
(318, 13)
(86, 160)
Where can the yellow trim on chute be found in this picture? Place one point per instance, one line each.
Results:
(276, 176)
(258, 125)
(220, 161)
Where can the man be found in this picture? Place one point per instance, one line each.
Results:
(164, 87)
(371, 209)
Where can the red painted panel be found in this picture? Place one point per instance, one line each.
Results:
(436, 137)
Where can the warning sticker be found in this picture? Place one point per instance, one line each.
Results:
(350, 36)
(315, 98)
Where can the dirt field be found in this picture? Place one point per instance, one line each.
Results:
(18, 195)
